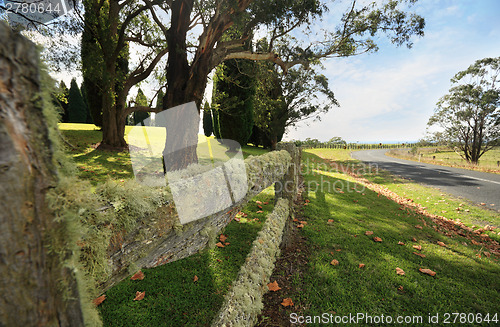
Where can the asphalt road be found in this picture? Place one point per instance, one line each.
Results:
(476, 186)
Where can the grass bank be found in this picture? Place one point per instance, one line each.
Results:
(489, 162)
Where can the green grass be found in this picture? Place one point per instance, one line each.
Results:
(446, 157)
(464, 281)
(97, 166)
(172, 297)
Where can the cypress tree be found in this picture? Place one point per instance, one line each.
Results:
(76, 106)
(208, 127)
(233, 101)
(141, 101)
(61, 101)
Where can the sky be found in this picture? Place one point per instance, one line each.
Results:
(389, 96)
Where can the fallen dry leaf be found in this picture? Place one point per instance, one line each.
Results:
(419, 254)
(361, 265)
(334, 262)
(195, 279)
(295, 219)
(377, 239)
(303, 222)
(427, 271)
(417, 247)
(418, 226)
(487, 254)
(219, 245)
(400, 243)
(273, 287)
(400, 288)
(287, 302)
(222, 238)
(441, 244)
(266, 202)
(227, 243)
(330, 220)
(413, 239)
(99, 300)
(138, 276)
(259, 206)
(139, 295)
(258, 202)
(300, 226)
(368, 233)
(260, 211)
(400, 271)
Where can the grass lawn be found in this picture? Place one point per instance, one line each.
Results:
(446, 157)
(330, 279)
(97, 165)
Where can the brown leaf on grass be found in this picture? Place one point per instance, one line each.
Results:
(273, 287)
(303, 222)
(258, 202)
(418, 226)
(266, 202)
(427, 271)
(307, 200)
(222, 238)
(419, 254)
(413, 239)
(220, 245)
(227, 243)
(139, 295)
(400, 271)
(377, 239)
(287, 302)
(417, 247)
(400, 243)
(334, 262)
(295, 219)
(259, 206)
(368, 233)
(330, 221)
(483, 204)
(361, 265)
(300, 226)
(260, 211)
(99, 300)
(400, 288)
(441, 244)
(195, 279)
(487, 254)
(138, 276)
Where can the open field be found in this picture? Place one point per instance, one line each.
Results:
(489, 162)
(97, 165)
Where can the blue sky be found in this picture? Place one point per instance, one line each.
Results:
(389, 96)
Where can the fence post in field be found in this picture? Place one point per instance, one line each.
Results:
(288, 187)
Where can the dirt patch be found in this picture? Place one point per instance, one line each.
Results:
(290, 266)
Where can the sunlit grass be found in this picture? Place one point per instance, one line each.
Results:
(465, 280)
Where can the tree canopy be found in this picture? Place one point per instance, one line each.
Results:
(469, 114)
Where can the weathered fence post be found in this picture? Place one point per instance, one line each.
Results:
(37, 287)
(288, 187)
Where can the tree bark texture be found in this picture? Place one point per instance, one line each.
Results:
(36, 289)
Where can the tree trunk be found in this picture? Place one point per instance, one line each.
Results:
(37, 288)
